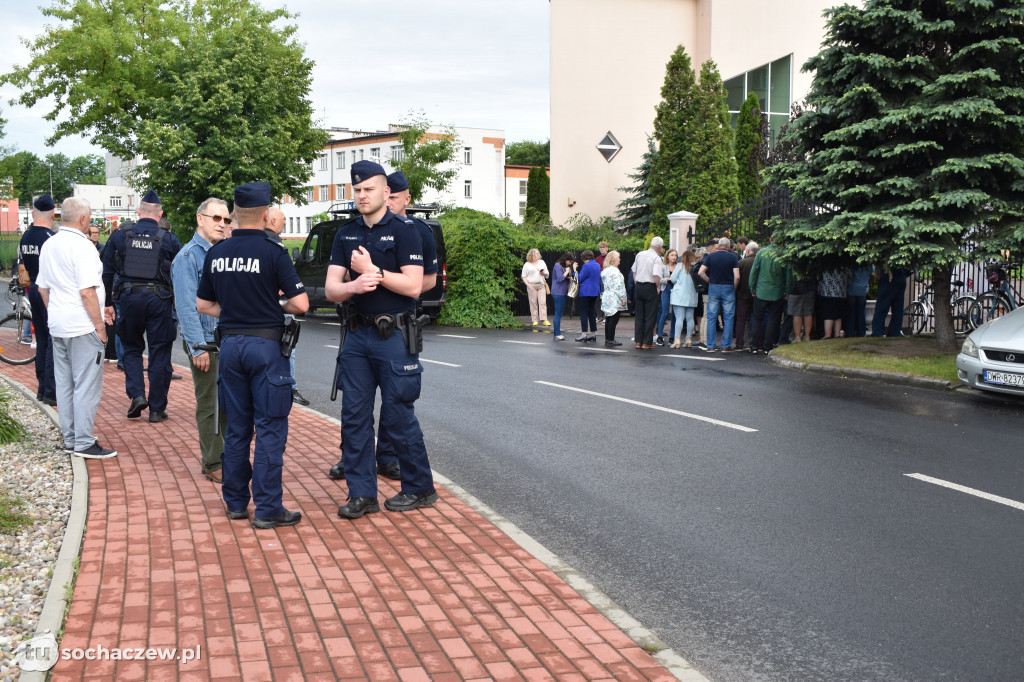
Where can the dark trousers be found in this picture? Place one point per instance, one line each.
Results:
(743, 309)
(890, 296)
(767, 315)
(147, 314)
(610, 322)
(646, 307)
(855, 324)
(44, 345)
(588, 313)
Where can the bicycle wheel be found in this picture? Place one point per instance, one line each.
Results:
(13, 350)
(915, 318)
(961, 314)
(988, 307)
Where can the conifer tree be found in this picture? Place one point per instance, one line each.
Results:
(911, 141)
(751, 149)
(634, 212)
(674, 122)
(714, 191)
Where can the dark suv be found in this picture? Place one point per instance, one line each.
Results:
(312, 260)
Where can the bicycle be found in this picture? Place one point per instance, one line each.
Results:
(17, 348)
(918, 313)
(997, 302)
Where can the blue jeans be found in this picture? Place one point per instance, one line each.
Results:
(721, 297)
(680, 312)
(665, 312)
(559, 309)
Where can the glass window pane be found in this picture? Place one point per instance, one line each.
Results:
(757, 83)
(780, 85)
(775, 122)
(735, 120)
(734, 88)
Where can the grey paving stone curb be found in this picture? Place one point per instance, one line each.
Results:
(859, 373)
(52, 617)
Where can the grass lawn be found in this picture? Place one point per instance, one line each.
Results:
(916, 355)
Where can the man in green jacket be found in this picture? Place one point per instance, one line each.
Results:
(770, 282)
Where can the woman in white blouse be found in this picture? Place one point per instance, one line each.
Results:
(535, 274)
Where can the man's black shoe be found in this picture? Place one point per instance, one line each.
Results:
(612, 343)
(157, 416)
(175, 377)
(404, 502)
(357, 506)
(138, 405)
(48, 401)
(298, 399)
(660, 341)
(285, 518)
(238, 514)
(390, 470)
(337, 471)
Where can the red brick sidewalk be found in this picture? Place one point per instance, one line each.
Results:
(438, 593)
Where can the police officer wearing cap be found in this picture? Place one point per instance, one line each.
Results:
(32, 242)
(140, 257)
(241, 281)
(398, 200)
(384, 257)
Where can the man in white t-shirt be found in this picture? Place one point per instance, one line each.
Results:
(70, 282)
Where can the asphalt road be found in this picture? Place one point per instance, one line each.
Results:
(762, 521)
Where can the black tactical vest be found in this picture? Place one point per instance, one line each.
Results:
(142, 256)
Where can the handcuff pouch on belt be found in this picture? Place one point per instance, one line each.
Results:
(385, 323)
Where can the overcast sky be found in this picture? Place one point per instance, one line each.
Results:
(474, 63)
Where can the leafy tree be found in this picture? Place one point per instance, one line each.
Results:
(538, 193)
(751, 149)
(428, 159)
(528, 153)
(912, 139)
(34, 176)
(634, 213)
(694, 170)
(212, 94)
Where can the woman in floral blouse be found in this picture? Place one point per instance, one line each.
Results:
(613, 298)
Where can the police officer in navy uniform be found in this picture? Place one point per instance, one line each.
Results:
(140, 257)
(385, 259)
(398, 200)
(240, 283)
(32, 242)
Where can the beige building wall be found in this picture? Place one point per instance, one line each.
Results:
(608, 64)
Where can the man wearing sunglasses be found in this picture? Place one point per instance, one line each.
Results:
(197, 328)
(140, 257)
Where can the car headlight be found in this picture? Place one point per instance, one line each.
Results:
(970, 348)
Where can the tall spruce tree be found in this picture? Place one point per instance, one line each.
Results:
(714, 191)
(751, 149)
(912, 139)
(674, 123)
(538, 191)
(634, 213)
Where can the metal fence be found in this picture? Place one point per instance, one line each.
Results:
(751, 219)
(974, 276)
(521, 301)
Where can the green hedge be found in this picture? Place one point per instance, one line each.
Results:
(485, 257)
(8, 250)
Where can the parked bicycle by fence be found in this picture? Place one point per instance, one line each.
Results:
(917, 316)
(999, 300)
(17, 345)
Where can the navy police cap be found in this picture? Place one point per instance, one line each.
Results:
(151, 197)
(397, 182)
(252, 195)
(364, 170)
(44, 203)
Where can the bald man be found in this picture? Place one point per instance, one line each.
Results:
(274, 228)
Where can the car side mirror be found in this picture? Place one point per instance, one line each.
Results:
(295, 253)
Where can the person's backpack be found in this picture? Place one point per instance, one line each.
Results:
(699, 283)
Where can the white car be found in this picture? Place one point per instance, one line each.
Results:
(992, 357)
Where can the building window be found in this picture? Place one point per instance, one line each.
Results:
(323, 162)
(467, 189)
(309, 223)
(772, 85)
(522, 209)
(609, 147)
(341, 159)
(522, 188)
(467, 156)
(309, 195)
(339, 192)
(353, 156)
(397, 153)
(375, 154)
(361, 154)
(115, 202)
(323, 192)
(291, 225)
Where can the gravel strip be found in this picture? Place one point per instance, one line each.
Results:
(37, 471)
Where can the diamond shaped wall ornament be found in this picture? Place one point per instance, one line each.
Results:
(609, 147)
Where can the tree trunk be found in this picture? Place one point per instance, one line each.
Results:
(945, 337)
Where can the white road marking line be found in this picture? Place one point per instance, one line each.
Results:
(693, 357)
(698, 417)
(438, 362)
(457, 336)
(332, 324)
(327, 345)
(599, 350)
(525, 343)
(970, 491)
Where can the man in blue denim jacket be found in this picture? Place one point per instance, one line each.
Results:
(212, 220)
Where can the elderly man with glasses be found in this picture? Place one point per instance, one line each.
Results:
(212, 220)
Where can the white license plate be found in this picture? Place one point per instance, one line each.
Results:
(1003, 378)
